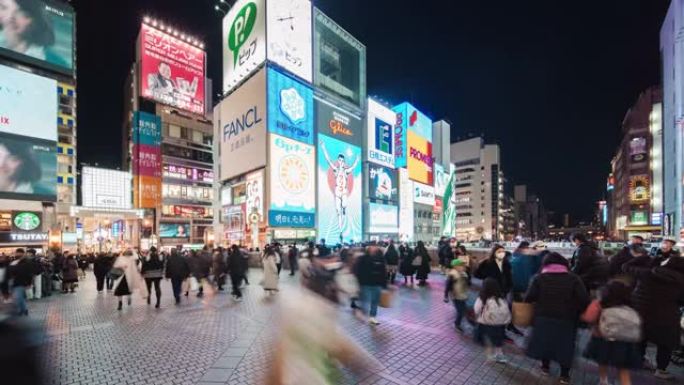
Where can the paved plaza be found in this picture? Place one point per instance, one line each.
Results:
(217, 341)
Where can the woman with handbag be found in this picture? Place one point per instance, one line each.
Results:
(153, 272)
(128, 278)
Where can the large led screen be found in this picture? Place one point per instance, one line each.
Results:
(242, 128)
(38, 32)
(289, 36)
(171, 70)
(290, 107)
(338, 123)
(28, 168)
(244, 41)
(174, 230)
(292, 182)
(380, 123)
(28, 104)
(340, 217)
(383, 183)
(383, 218)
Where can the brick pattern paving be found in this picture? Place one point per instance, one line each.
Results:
(217, 341)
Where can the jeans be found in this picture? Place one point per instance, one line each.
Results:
(19, 294)
(460, 306)
(157, 288)
(177, 284)
(370, 298)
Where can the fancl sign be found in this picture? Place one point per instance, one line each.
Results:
(245, 121)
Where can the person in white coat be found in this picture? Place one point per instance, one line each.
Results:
(270, 281)
(130, 279)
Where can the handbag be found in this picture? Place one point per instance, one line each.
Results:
(386, 297)
(523, 313)
(116, 272)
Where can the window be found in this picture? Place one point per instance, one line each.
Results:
(174, 131)
(197, 136)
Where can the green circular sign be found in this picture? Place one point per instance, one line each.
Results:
(27, 221)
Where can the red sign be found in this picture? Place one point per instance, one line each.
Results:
(147, 160)
(171, 70)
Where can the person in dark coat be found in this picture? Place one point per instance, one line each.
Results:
(423, 269)
(20, 273)
(588, 263)
(559, 298)
(219, 268)
(200, 265)
(292, 258)
(657, 297)
(101, 267)
(109, 259)
(624, 255)
(371, 272)
(69, 274)
(235, 270)
(444, 253)
(498, 267)
(178, 270)
(392, 259)
(153, 271)
(244, 265)
(406, 267)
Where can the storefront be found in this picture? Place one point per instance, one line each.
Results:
(102, 229)
(22, 229)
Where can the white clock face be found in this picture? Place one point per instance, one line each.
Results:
(289, 36)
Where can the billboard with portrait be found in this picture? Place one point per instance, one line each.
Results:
(174, 230)
(292, 182)
(172, 71)
(255, 193)
(290, 107)
(419, 159)
(340, 188)
(339, 123)
(289, 36)
(29, 168)
(38, 32)
(380, 123)
(244, 41)
(382, 183)
(406, 214)
(28, 104)
(383, 218)
(242, 128)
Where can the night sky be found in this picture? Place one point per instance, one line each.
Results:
(548, 81)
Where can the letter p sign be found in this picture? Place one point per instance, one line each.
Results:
(241, 29)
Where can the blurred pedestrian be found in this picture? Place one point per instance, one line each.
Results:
(69, 273)
(371, 272)
(200, 266)
(456, 290)
(406, 267)
(421, 261)
(392, 258)
(588, 263)
(20, 273)
(624, 255)
(219, 268)
(153, 272)
(497, 267)
(292, 258)
(236, 272)
(128, 278)
(177, 270)
(100, 269)
(109, 262)
(270, 279)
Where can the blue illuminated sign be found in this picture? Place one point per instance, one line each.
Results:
(290, 108)
(408, 118)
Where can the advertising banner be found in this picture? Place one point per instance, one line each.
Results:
(639, 218)
(28, 168)
(380, 123)
(638, 150)
(242, 128)
(171, 70)
(406, 194)
(423, 194)
(639, 189)
(340, 217)
(27, 221)
(338, 123)
(105, 188)
(146, 129)
(383, 218)
(244, 41)
(28, 104)
(226, 196)
(420, 161)
(147, 160)
(289, 36)
(441, 180)
(147, 192)
(255, 194)
(449, 207)
(42, 33)
(233, 217)
(290, 107)
(409, 119)
(174, 230)
(187, 173)
(382, 183)
(292, 182)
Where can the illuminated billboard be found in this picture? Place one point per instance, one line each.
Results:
(638, 149)
(146, 160)
(639, 189)
(38, 32)
(380, 123)
(289, 36)
(242, 128)
(187, 173)
(408, 118)
(441, 180)
(423, 194)
(383, 218)
(174, 230)
(29, 168)
(383, 183)
(339, 61)
(244, 41)
(340, 217)
(105, 188)
(420, 161)
(292, 183)
(290, 107)
(639, 218)
(338, 123)
(172, 71)
(255, 194)
(406, 194)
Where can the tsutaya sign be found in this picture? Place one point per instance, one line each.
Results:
(24, 237)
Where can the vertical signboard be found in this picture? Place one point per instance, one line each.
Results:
(147, 167)
(441, 180)
(340, 216)
(409, 119)
(290, 107)
(292, 183)
(242, 128)
(244, 41)
(255, 194)
(289, 36)
(380, 144)
(449, 206)
(405, 206)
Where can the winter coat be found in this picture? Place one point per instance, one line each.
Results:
(524, 266)
(560, 296)
(152, 268)
(235, 264)
(133, 278)
(658, 294)
(177, 266)
(619, 259)
(592, 267)
(456, 286)
(20, 272)
(218, 264)
(423, 270)
(490, 269)
(200, 265)
(70, 270)
(270, 281)
(101, 266)
(371, 270)
(445, 254)
(392, 256)
(406, 267)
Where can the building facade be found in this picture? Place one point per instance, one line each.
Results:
(531, 218)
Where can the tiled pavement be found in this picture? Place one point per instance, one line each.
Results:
(216, 341)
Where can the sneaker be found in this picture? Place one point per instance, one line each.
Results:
(663, 375)
(373, 321)
(500, 359)
(564, 381)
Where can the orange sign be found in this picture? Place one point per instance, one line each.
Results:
(147, 192)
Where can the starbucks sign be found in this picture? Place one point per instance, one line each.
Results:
(244, 41)
(26, 220)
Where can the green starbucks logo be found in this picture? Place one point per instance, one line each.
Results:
(241, 29)
(26, 221)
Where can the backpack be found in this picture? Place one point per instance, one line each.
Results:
(495, 312)
(620, 323)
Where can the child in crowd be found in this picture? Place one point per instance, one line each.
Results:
(456, 289)
(493, 315)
